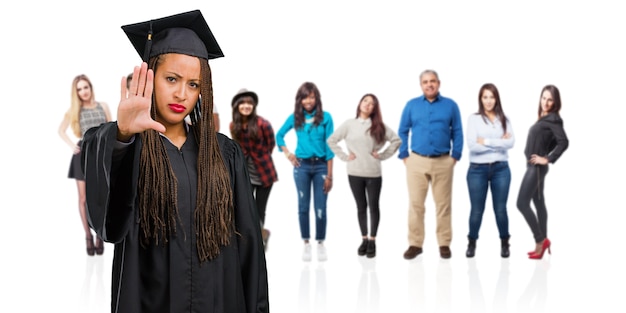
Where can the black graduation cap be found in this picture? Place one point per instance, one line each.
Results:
(184, 33)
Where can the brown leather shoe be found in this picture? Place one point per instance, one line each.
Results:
(445, 252)
(412, 252)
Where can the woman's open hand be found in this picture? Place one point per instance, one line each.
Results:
(133, 112)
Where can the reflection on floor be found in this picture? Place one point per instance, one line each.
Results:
(59, 275)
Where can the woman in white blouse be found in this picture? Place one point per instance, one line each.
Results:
(489, 137)
(365, 136)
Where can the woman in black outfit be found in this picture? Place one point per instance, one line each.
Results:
(545, 143)
(174, 196)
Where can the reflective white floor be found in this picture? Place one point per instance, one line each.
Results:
(45, 266)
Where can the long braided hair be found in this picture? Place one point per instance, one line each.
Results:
(158, 211)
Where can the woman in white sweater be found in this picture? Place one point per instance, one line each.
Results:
(365, 136)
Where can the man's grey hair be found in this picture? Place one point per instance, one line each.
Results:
(429, 72)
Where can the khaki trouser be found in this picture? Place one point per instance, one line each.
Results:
(420, 172)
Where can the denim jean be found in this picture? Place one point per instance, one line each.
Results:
(310, 175)
(481, 177)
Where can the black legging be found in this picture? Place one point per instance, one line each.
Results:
(261, 195)
(364, 190)
(532, 189)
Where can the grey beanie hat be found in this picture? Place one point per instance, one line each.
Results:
(245, 92)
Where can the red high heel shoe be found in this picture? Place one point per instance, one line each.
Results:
(545, 246)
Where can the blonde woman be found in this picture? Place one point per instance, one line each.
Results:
(84, 113)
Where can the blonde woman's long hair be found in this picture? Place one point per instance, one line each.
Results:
(76, 104)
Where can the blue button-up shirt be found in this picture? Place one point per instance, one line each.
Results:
(435, 127)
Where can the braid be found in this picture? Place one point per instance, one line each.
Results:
(158, 211)
(214, 206)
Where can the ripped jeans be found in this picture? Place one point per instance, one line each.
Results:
(310, 176)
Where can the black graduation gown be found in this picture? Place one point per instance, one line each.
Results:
(170, 278)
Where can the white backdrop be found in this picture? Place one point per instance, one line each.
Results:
(347, 48)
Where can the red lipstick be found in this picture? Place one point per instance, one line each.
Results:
(177, 108)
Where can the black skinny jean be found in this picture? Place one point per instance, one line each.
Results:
(364, 190)
(261, 195)
(532, 189)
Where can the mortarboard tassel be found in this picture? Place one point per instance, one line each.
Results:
(148, 47)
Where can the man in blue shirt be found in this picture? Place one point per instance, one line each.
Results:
(435, 145)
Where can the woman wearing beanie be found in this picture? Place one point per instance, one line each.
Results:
(256, 138)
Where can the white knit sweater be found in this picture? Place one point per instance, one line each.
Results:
(355, 133)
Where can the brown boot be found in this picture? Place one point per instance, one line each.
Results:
(265, 234)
